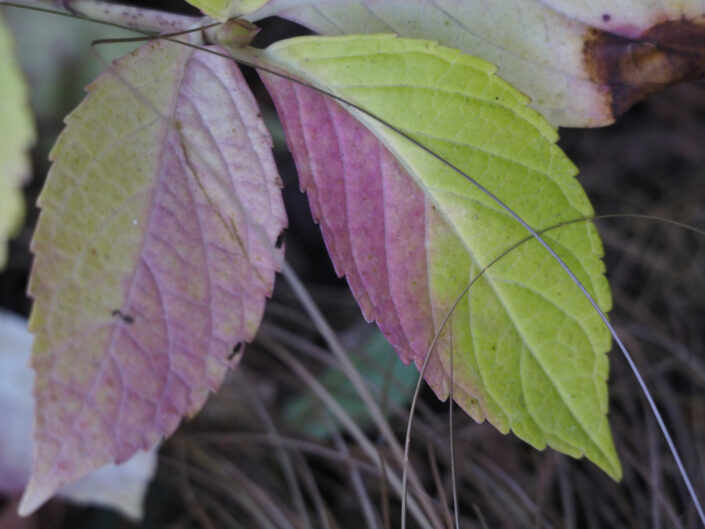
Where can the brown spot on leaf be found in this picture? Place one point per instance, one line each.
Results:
(237, 348)
(669, 53)
(126, 318)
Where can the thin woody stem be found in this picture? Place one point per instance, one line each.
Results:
(137, 18)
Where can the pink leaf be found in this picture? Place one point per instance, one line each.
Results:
(373, 217)
(155, 252)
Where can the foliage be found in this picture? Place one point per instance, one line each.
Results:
(224, 9)
(166, 203)
(159, 235)
(14, 164)
(582, 64)
(374, 359)
(528, 348)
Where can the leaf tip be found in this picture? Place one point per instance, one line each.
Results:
(607, 459)
(614, 468)
(37, 493)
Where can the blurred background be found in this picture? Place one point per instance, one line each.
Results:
(265, 452)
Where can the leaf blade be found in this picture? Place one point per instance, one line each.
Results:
(145, 206)
(583, 64)
(222, 10)
(537, 50)
(18, 136)
(438, 96)
(628, 18)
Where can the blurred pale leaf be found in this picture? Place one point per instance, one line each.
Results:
(582, 63)
(17, 135)
(120, 487)
(59, 61)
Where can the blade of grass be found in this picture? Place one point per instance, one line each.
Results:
(339, 413)
(284, 460)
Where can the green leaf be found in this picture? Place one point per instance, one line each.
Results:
(224, 9)
(17, 132)
(528, 348)
(392, 383)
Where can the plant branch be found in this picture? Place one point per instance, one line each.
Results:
(130, 17)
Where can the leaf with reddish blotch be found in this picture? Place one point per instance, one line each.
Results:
(570, 57)
(17, 133)
(410, 233)
(155, 252)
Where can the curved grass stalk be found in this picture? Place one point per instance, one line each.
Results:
(358, 485)
(288, 443)
(353, 375)
(446, 320)
(341, 415)
(251, 58)
(284, 460)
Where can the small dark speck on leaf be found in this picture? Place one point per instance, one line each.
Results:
(124, 317)
(236, 350)
(606, 17)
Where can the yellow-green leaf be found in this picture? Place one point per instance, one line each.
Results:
(17, 133)
(528, 347)
(224, 9)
